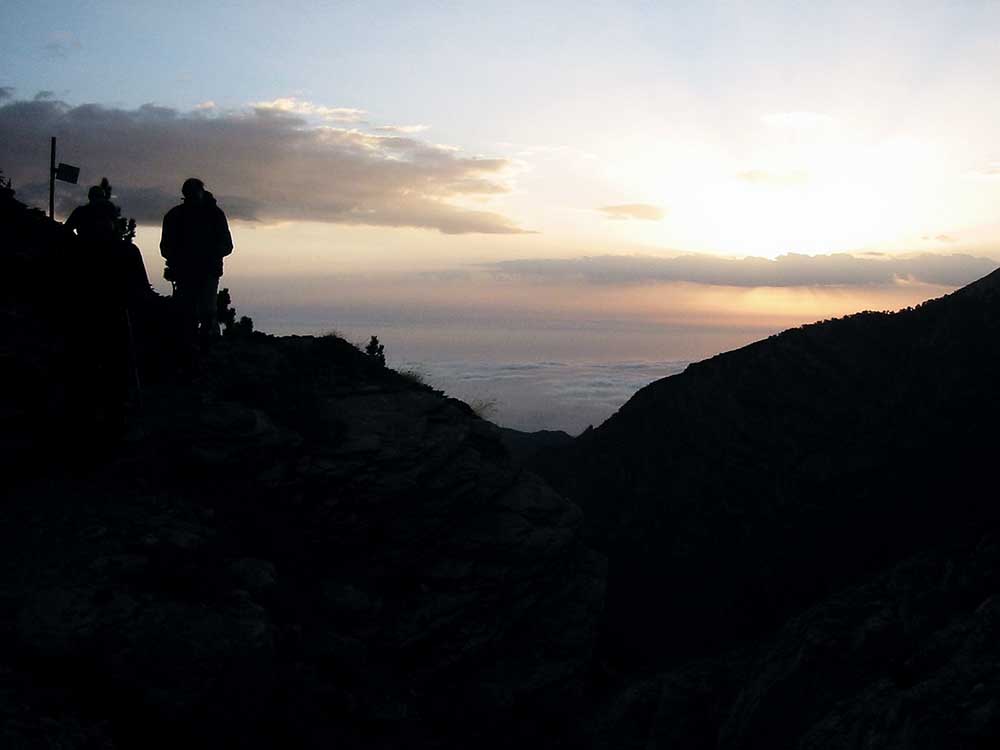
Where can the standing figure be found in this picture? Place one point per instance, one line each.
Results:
(94, 222)
(110, 268)
(194, 241)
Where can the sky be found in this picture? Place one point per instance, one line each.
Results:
(599, 182)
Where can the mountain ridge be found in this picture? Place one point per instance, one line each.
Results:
(286, 544)
(775, 429)
(795, 544)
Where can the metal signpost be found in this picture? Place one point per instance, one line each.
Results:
(65, 172)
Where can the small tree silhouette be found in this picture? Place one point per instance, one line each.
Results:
(224, 310)
(376, 351)
(227, 316)
(243, 326)
(6, 188)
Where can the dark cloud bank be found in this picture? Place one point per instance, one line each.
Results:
(263, 164)
(838, 269)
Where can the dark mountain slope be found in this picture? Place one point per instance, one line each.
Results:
(757, 482)
(524, 445)
(907, 660)
(289, 545)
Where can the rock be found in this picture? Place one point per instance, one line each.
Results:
(254, 575)
(298, 550)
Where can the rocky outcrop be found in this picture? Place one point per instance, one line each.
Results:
(756, 483)
(909, 660)
(283, 550)
(801, 536)
(288, 546)
(906, 660)
(524, 446)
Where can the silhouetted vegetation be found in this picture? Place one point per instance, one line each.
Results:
(6, 187)
(485, 408)
(375, 350)
(124, 228)
(227, 316)
(413, 376)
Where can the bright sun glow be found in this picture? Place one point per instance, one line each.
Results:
(819, 189)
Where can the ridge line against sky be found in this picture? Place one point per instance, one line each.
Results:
(597, 182)
(534, 140)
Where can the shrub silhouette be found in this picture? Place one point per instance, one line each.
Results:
(484, 408)
(376, 351)
(124, 228)
(6, 187)
(413, 376)
(243, 327)
(227, 316)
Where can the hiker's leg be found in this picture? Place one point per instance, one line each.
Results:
(208, 308)
(186, 298)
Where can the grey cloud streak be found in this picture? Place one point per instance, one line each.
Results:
(263, 165)
(788, 270)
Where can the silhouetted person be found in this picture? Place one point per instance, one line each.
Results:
(113, 261)
(117, 288)
(94, 222)
(194, 241)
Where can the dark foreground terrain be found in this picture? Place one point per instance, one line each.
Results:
(804, 532)
(284, 544)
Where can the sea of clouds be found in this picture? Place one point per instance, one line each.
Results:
(531, 396)
(500, 371)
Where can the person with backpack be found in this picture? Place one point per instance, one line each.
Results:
(194, 240)
(94, 221)
(117, 288)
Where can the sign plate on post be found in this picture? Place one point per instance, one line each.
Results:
(67, 173)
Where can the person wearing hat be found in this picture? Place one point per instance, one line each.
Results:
(194, 240)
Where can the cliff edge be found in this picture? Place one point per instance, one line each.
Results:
(286, 545)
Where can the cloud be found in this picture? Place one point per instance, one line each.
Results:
(789, 270)
(774, 179)
(62, 44)
(294, 105)
(641, 211)
(404, 129)
(798, 120)
(939, 238)
(546, 395)
(6, 92)
(263, 165)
